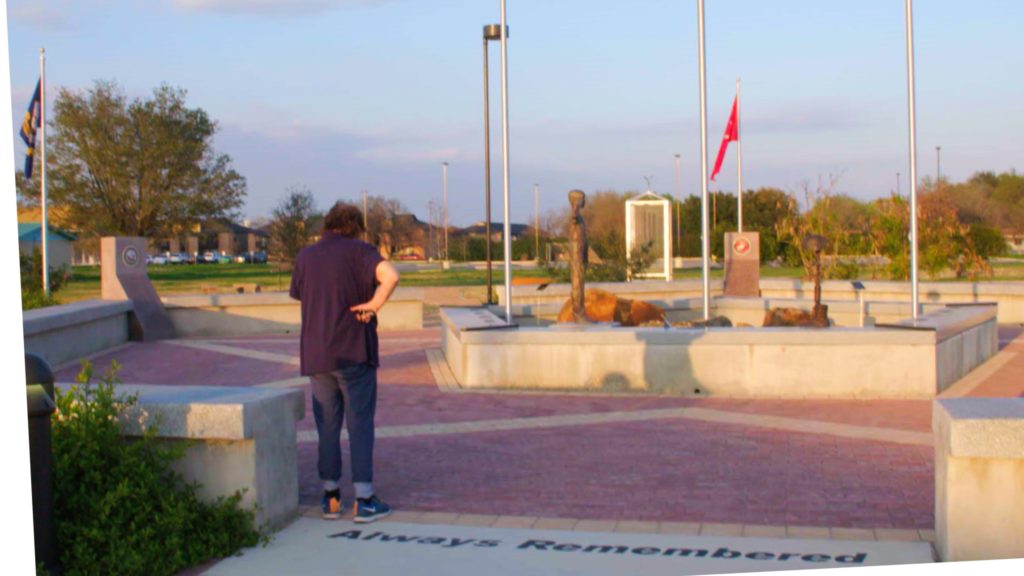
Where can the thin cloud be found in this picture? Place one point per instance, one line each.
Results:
(273, 8)
(40, 16)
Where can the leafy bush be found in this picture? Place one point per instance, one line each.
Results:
(120, 508)
(32, 281)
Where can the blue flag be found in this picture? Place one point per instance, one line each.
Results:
(29, 127)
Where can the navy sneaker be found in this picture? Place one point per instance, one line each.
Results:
(370, 509)
(330, 505)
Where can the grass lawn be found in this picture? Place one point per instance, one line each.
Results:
(194, 279)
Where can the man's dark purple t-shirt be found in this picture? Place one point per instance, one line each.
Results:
(330, 277)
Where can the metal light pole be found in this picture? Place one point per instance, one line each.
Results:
(504, 148)
(938, 165)
(897, 183)
(366, 223)
(491, 32)
(45, 229)
(912, 128)
(444, 171)
(536, 220)
(704, 235)
(679, 202)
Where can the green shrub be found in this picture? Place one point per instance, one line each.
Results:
(31, 299)
(32, 281)
(120, 508)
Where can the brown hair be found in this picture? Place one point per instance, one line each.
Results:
(344, 219)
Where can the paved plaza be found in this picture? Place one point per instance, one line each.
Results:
(812, 469)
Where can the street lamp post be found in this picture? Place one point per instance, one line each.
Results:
(679, 201)
(444, 171)
(491, 32)
(366, 222)
(938, 165)
(536, 220)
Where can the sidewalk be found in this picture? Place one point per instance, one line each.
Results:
(571, 464)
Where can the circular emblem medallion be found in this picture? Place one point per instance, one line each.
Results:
(741, 246)
(130, 257)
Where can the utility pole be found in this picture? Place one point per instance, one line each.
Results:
(536, 219)
(445, 171)
(679, 202)
(366, 225)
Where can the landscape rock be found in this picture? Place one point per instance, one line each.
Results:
(603, 306)
(795, 317)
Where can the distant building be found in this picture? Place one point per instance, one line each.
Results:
(1015, 240)
(60, 251)
(221, 236)
(479, 230)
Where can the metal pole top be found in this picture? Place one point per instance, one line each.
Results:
(493, 31)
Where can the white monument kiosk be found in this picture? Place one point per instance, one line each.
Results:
(649, 223)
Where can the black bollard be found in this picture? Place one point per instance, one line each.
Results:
(41, 407)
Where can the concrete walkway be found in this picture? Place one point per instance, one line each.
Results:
(404, 546)
(568, 466)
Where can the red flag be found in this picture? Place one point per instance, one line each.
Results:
(732, 134)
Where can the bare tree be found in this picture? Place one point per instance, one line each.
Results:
(389, 224)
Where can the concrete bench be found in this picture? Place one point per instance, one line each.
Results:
(63, 333)
(210, 315)
(979, 478)
(239, 438)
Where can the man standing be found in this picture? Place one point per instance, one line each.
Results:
(342, 282)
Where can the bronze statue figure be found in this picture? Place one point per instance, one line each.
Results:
(578, 255)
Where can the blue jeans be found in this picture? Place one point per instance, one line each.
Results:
(346, 394)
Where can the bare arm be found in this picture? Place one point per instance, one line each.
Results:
(387, 280)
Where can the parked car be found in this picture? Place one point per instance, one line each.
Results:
(207, 258)
(174, 259)
(157, 260)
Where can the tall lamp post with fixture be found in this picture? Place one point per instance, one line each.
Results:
(444, 171)
(491, 32)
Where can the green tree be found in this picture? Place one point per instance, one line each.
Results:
(142, 167)
(294, 223)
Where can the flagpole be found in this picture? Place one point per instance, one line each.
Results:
(42, 170)
(739, 162)
(504, 146)
(703, 164)
(912, 106)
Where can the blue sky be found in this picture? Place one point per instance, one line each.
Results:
(346, 95)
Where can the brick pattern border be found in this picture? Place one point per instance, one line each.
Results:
(635, 527)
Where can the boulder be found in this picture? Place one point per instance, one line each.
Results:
(603, 306)
(795, 317)
(713, 322)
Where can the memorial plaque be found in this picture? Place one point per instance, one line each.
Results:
(742, 264)
(124, 277)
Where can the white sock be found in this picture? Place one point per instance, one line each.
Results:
(364, 490)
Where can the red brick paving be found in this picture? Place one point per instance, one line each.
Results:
(1008, 381)
(163, 363)
(675, 470)
(665, 470)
